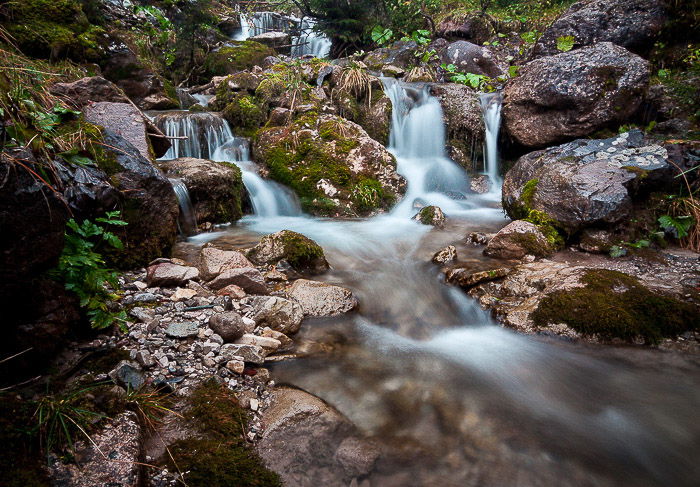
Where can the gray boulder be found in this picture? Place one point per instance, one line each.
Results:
(470, 58)
(168, 274)
(633, 24)
(585, 182)
(518, 239)
(229, 326)
(277, 313)
(321, 299)
(247, 278)
(213, 261)
(574, 94)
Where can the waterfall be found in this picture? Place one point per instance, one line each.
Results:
(245, 29)
(309, 41)
(491, 111)
(203, 99)
(193, 134)
(269, 199)
(305, 40)
(187, 222)
(417, 140)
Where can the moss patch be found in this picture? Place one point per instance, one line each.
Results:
(615, 305)
(241, 56)
(246, 114)
(221, 457)
(301, 252)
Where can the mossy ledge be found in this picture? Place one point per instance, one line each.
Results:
(613, 305)
(220, 455)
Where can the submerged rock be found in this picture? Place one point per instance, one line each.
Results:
(585, 182)
(518, 239)
(215, 188)
(573, 94)
(302, 253)
(321, 299)
(633, 24)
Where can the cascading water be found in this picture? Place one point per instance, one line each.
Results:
(203, 99)
(193, 134)
(310, 42)
(305, 40)
(491, 111)
(187, 222)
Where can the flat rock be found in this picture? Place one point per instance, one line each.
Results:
(321, 299)
(277, 313)
(168, 274)
(249, 353)
(468, 278)
(125, 120)
(182, 330)
(213, 261)
(247, 278)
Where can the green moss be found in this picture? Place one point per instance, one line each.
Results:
(301, 252)
(638, 171)
(230, 208)
(220, 457)
(368, 195)
(246, 114)
(426, 215)
(88, 142)
(239, 57)
(615, 305)
(547, 226)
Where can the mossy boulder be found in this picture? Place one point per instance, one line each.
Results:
(331, 163)
(613, 305)
(302, 253)
(518, 239)
(431, 215)
(238, 57)
(215, 188)
(245, 113)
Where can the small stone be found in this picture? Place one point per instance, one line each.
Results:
(229, 325)
(182, 330)
(236, 366)
(168, 274)
(140, 285)
(182, 294)
(269, 344)
(254, 404)
(286, 343)
(127, 375)
(431, 215)
(249, 353)
(233, 291)
(478, 238)
(448, 254)
(144, 358)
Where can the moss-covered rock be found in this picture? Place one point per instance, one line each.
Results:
(238, 57)
(431, 215)
(302, 253)
(245, 113)
(612, 305)
(331, 163)
(517, 239)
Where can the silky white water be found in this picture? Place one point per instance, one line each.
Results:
(187, 222)
(491, 111)
(423, 369)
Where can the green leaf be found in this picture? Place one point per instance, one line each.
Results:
(678, 227)
(381, 36)
(565, 43)
(617, 251)
(513, 71)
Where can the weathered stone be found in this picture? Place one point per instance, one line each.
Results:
(430, 215)
(399, 54)
(215, 188)
(356, 456)
(237, 366)
(213, 261)
(468, 278)
(448, 254)
(249, 353)
(275, 40)
(470, 58)
(235, 292)
(480, 184)
(183, 294)
(266, 343)
(123, 119)
(169, 274)
(286, 343)
(586, 182)
(229, 326)
(127, 375)
(321, 299)
(302, 253)
(182, 330)
(277, 313)
(633, 24)
(518, 239)
(85, 91)
(574, 94)
(144, 358)
(248, 278)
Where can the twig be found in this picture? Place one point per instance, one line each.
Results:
(15, 355)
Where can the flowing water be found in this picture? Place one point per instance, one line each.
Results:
(452, 398)
(187, 222)
(491, 109)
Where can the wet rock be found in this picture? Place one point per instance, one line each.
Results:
(596, 241)
(467, 278)
(212, 262)
(302, 253)
(123, 119)
(470, 58)
(249, 353)
(85, 91)
(247, 278)
(448, 254)
(480, 184)
(277, 313)
(430, 215)
(633, 24)
(170, 275)
(321, 299)
(182, 330)
(111, 457)
(479, 238)
(518, 239)
(215, 188)
(229, 326)
(399, 54)
(327, 449)
(586, 182)
(127, 375)
(574, 94)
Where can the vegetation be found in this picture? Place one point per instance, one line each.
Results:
(219, 456)
(614, 305)
(84, 271)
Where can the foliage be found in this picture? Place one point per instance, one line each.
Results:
(565, 43)
(158, 31)
(367, 194)
(614, 305)
(381, 35)
(477, 81)
(678, 227)
(83, 269)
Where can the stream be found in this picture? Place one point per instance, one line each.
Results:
(452, 398)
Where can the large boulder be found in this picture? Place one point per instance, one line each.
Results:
(518, 239)
(470, 58)
(574, 94)
(123, 119)
(247, 278)
(633, 24)
(215, 188)
(229, 325)
(84, 91)
(332, 164)
(168, 274)
(322, 299)
(277, 313)
(309, 443)
(400, 54)
(464, 123)
(302, 253)
(238, 56)
(585, 182)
